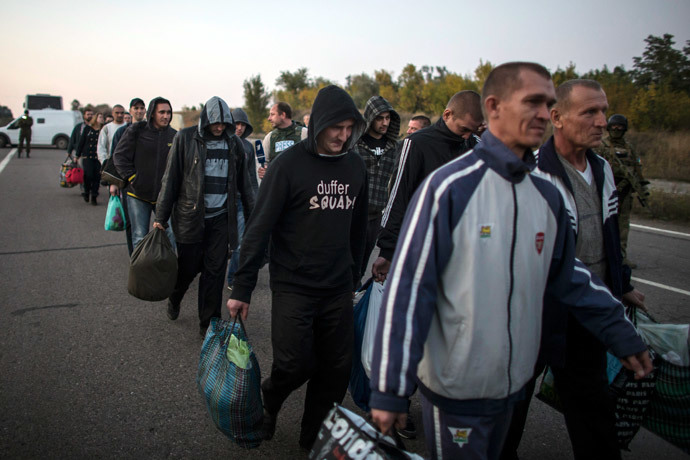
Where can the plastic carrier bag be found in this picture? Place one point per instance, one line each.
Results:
(66, 166)
(153, 267)
(375, 301)
(345, 435)
(232, 393)
(115, 215)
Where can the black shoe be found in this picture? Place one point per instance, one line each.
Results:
(85, 196)
(410, 430)
(173, 310)
(269, 427)
(93, 201)
(202, 331)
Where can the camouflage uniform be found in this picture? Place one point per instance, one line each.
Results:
(624, 162)
(24, 124)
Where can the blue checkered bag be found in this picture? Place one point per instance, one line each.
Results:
(232, 394)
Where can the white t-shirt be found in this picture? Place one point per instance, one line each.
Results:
(105, 140)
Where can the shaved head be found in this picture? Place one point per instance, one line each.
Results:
(466, 103)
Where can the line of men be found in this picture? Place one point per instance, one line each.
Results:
(481, 254)
(479, 251)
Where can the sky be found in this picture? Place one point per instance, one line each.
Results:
(109, 52)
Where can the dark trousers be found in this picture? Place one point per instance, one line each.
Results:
(209, 258)
(583, 388)
(22, 138)
(373, 227)
(92, 176)
(128, 223)
(517, 422)
(312, 341)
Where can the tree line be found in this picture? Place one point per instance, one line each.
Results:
(654, 95)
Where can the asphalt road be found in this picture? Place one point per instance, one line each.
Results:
(88, 371)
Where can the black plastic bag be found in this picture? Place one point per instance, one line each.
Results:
(153, 268)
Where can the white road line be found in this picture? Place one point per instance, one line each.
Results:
(7, 159)
(661, 230)
(662, 286)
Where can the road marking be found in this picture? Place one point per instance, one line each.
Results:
(661, 230)
(662, 286)
(7, 159)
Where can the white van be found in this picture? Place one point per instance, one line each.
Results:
(51, 127)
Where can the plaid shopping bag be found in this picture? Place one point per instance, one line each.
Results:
(232, 394)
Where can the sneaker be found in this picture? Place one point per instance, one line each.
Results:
(410, 430)
(269, 427)
(173, 310)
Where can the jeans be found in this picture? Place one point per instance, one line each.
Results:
(235, 259)
(140, 216)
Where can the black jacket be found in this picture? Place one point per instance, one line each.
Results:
(141, 155)
(422, 152)
(313, 209)
(182, 192)
(250, 153)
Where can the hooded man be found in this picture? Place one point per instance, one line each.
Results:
(312, 207)
(378, 147)
(140, 158)
(242, 129)
(205, 171)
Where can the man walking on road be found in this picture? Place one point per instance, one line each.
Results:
(417, 122)
(78, 130)
(25, 123)
(486, 248)
(105, 138)
(422, 152)
(312, 207)
(285, 134)
(378, 147)
(140, 160)
(205, 171)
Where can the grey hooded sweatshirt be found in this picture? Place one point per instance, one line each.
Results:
(250, 154)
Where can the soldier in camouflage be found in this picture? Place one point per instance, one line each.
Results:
(627, 172)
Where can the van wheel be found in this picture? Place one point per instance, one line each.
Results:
(61, 143)
(4, 141)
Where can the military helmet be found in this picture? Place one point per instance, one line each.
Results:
(617, 119)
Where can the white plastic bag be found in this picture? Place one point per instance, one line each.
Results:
(375, 300)
(665, 339)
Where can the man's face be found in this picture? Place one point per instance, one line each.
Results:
(118, 115)
(162, 115)
(414, 125)
(239, 128)
(379, 126)
(463, 125)
(276, 119)
(127, 118)
(331, 140)
(217, 128)
(138, 112)
(583, 122)
(520, 119)
(88, 115)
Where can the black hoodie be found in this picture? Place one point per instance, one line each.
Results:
(313, 208)
(141, 155)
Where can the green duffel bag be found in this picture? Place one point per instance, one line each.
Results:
(153, 268)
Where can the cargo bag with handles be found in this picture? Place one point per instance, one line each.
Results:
(74, 176)
(345, 435)
(115, 215)
(66, 166)
(153, 267)
(359, 385)
(229, 380)
(669, 409)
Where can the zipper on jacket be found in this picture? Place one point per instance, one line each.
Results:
(512, 283)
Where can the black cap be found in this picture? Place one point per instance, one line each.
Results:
(136, 101)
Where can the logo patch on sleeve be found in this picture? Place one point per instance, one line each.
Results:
(539, 242)
(485, 231)
(461, 436)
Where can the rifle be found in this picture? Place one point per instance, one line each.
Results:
(638, 185)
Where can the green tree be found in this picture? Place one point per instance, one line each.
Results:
(661, 64)
(411, 83)
(75, 104)
(361, 87)
(294, 82)
(256, 100)
(387, 86)
(562, 75)
(481, 72)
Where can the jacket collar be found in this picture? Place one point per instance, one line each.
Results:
(502, 160)
(548, 162)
